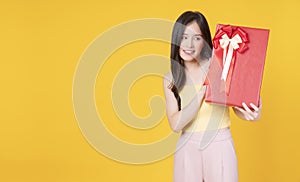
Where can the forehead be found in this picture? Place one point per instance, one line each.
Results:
(192, 28)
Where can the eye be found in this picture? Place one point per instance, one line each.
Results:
(184, 37)
(197, 38)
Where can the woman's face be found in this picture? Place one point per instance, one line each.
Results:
(191, 42)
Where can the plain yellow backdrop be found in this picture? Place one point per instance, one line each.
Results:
(40, 46)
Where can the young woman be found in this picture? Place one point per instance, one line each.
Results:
(205, 150)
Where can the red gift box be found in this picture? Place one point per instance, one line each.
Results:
(237, 64)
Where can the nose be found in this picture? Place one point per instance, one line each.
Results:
(188, 43)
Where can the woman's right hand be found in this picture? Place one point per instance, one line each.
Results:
(201, 93)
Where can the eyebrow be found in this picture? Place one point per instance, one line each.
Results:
(194, 34)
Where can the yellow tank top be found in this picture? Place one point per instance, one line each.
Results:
(209, 117)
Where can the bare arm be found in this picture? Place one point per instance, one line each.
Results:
(179, 119)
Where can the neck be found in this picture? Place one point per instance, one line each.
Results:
(196, 71)
(191, 66)
(195, 65)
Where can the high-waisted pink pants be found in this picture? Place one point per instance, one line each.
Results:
(205, 156)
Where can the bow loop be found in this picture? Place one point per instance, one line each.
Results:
(224, 41)
(235, 41)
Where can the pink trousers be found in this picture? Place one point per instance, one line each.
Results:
(205, 157)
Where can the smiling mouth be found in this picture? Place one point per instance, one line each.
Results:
(189, 52)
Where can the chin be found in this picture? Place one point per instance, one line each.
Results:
(188, 58)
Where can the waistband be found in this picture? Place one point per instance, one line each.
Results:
(208, 136)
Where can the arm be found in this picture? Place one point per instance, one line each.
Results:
(179, 119)
(248, 114)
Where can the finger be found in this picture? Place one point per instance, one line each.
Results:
(247, 118)
(251, 117)
(255, 115)
(247, 115)
(246, 107)
(202, 90)
(260, 103)
(252, 114)
(240, 109)
(254, 107)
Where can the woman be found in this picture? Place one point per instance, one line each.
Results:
(205, 151)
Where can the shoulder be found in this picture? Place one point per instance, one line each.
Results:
(168, 79)
(168, 76)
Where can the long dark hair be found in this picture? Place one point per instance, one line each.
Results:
(177, 63)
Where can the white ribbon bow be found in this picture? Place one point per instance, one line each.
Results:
(227, 57)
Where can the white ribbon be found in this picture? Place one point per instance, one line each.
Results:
(227, 57)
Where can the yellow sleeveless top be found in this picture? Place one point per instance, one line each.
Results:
(209, 117)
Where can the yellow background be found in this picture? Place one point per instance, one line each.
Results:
(41, 43)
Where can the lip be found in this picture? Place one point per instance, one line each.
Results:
(189, 52)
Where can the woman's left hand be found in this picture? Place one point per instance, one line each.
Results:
(247, 113)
